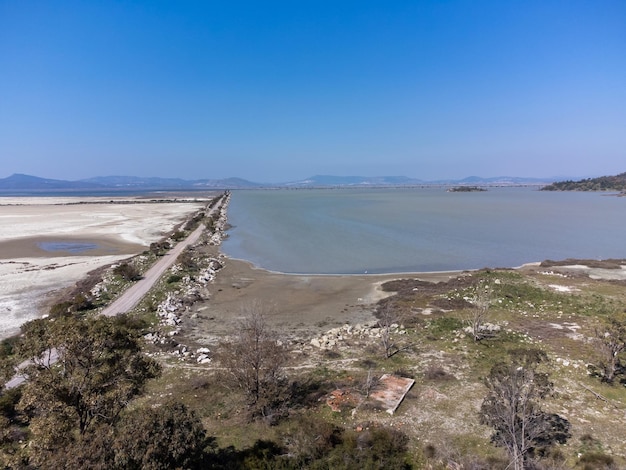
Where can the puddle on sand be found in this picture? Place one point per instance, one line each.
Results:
(69, 247)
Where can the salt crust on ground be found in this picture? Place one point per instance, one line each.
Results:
(26, 281)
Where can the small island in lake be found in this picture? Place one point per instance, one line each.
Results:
(466, 189)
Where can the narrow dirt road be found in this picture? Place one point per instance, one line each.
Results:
(133, 295)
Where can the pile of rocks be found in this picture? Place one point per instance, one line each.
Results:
(190, 292)
(367, 331)
(486, 328)
(168, 309)
(181, 351)
(219, 226)
(201, 355)
(207, 274)
(98, 290)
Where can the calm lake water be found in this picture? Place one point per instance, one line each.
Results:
(348, 231)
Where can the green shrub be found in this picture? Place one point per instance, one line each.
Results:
(127, 271)
(444, 325)
(8, 345)
(61, 309)
(178, 235)
(8, 401)
(159, 248)
(82, 302)
(369, 450)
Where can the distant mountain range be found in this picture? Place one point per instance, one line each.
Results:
(364, 181)
(19, 182)
(28, 183)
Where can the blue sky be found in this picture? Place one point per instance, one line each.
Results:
(277, 91)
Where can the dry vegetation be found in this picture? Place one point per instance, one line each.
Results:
(436, 345)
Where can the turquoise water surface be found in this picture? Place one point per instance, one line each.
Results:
(347, 231)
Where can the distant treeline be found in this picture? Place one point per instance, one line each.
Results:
(602, 183)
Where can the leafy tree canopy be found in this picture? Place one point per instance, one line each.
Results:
(84, 373)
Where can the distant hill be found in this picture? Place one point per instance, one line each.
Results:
(370, 181)
(135, 182)
(27, 183)
(19, 182)
(227, 183)
(34, 183)
(332, 181)
(602, 183)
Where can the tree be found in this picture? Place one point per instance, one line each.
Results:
(254, 360)
(99, 367)
(169, 436)
(479, 313)
(388, 324)
(369, 383)
(512, 407)
(92, 450)
(611, 341)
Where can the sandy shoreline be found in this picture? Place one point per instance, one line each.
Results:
(297, 304)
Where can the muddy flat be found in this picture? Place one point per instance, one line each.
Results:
(299, 305)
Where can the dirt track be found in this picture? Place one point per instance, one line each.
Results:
(137, 291)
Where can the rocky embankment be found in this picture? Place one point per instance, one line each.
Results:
(190, 288)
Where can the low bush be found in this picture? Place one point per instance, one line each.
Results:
(127, 271)
(437, 373)
(174, 278)
(178, 235)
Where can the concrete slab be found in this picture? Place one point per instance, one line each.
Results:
(390, 392)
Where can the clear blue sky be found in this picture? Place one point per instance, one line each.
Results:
(276, 91)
